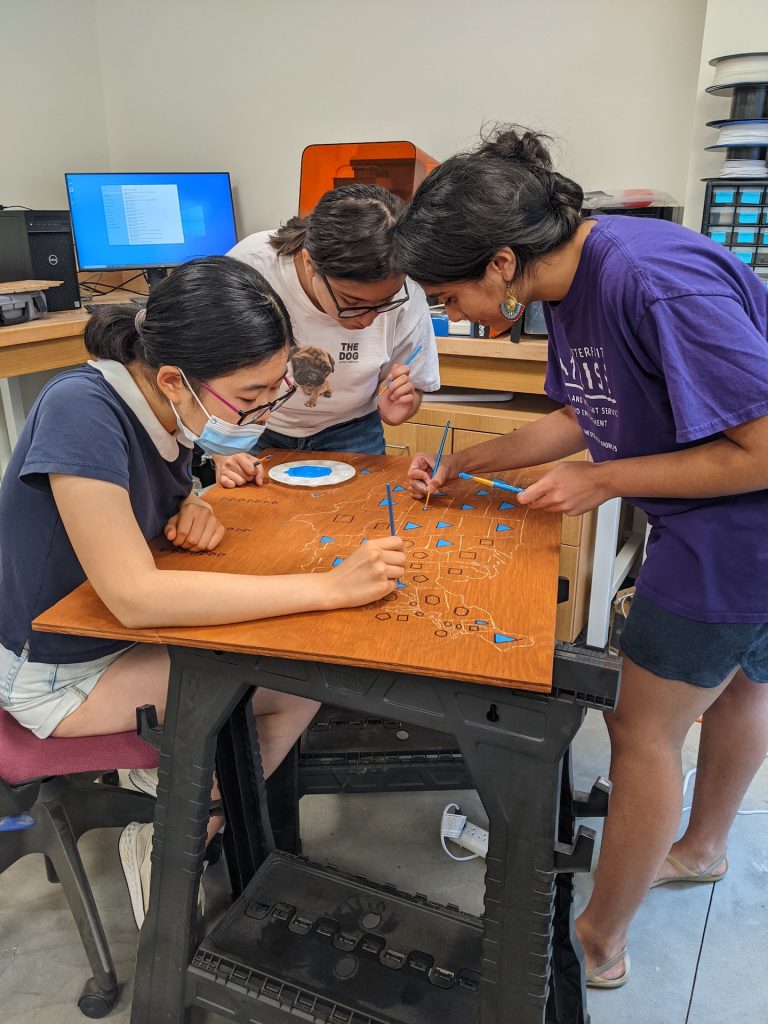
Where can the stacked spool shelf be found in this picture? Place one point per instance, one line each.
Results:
(736, 202)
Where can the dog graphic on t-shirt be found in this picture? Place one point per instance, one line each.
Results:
(312, 366)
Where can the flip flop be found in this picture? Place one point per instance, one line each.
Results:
(594, 980)
(687, 875)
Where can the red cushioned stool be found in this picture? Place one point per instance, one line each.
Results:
(44, 809)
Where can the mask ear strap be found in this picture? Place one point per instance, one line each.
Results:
(191, 391)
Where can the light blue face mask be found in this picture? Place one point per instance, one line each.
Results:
(219, 437)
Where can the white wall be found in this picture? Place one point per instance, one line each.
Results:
(52, 111)
(244, 85)
(731, 26)
(50, 98)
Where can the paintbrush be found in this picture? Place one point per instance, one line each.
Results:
(437, 460)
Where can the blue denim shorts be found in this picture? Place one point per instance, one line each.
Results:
(40, 696)
(364, 436)
(700, 653)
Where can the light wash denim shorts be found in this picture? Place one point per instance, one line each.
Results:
(40, 696)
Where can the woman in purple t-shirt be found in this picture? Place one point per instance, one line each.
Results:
(659, 356)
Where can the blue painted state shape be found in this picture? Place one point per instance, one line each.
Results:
(401, 586)
(441, 525)
(412, 526)
(444, 544)
(467, 508)
(326, 540)
(482, 494)
(337, 561)
(385, 503)
(309, 471)
(505, 505)
(481, 622)
(364, 471)
(398, 488)
(502, 638)
(502, 527)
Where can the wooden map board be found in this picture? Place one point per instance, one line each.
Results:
(477, 600)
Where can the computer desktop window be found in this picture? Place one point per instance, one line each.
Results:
(138, 221)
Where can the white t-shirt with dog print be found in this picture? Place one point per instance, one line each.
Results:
(339, 371)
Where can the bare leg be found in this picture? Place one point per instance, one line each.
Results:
(647, 732)
(140, 676)
(734, 742)
(280, 719)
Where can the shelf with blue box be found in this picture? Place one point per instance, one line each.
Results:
(736, 202)
(736, 216)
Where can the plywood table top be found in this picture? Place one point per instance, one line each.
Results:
(477, 600)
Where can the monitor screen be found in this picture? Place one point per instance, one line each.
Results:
(138, 221)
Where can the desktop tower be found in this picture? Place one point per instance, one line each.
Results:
(37, 245)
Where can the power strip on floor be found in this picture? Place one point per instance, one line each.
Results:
(454, 826)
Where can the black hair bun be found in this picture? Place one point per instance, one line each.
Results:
(510, 142)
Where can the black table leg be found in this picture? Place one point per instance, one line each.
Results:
(203, 690)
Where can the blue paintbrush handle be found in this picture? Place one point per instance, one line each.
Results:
(494, 483)
(391, 510)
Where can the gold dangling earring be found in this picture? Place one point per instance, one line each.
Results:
(511, 308)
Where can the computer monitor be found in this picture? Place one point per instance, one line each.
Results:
(149, 221)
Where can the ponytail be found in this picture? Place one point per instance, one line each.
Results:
(111, 333)
(290, 238)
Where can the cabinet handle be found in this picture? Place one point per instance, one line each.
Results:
(402, 447)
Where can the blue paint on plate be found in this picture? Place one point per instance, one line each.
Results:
(308, 472)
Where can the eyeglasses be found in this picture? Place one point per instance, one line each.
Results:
(350, 312)
(248, 416)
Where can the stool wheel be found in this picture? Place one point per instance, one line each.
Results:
(95, 1001)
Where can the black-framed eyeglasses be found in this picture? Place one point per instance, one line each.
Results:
(248, 416)
(350, 312)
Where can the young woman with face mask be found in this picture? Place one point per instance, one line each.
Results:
(658, 354)
(102, 466)
(358, 321)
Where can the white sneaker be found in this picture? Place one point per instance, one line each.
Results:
(135, 848)
(144, 779)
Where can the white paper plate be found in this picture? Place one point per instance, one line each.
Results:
(312, 473)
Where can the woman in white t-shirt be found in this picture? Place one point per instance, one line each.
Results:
(357, 322)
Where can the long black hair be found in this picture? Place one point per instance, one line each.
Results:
(505, 193)
(348, 235)
(210, 317)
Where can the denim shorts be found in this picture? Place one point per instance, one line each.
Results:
(364, 436)
(40, 696)
(700, 653)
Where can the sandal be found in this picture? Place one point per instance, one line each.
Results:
(687, 875)
(594, 980)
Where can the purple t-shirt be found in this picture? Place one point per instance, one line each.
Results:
(661, 344)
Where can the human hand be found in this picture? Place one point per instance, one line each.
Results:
(368, 574)
(194, 527)
(570, 487)
(236, 470)
(420, 478)
(397, 401)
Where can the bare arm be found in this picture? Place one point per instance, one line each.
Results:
(552, 437)
(734, 464)
(117, 560)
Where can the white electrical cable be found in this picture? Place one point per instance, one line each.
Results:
(452, 827)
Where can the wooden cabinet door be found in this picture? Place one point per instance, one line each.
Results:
(410, 438)
(466, 438)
